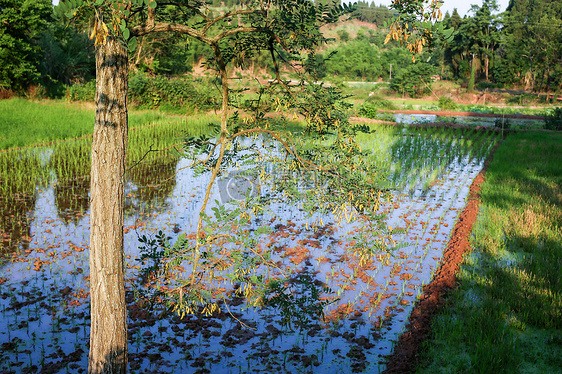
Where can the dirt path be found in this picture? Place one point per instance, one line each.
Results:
(406, 353)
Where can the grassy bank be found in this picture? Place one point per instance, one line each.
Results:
(506, 314)
(24, 123)
(19, 121)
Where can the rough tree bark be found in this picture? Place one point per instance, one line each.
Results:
(108, 334)
(472, 79)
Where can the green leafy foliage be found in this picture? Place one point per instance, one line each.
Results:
(357, 59)
(67, 57)
(21, 21)
(180, 94)
(373, 104)
(413, 80)
(416, 26)
(447, 103)
(502, 123)
(82, 91)
(553, 119)
(369, 110)
(532, 42)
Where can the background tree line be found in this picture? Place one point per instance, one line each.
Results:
(521, 47)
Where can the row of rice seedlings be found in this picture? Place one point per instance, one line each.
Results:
(71, 160)
(22, 171)
(456, 185)
(153, 141)
(398, 261)
(418, 158)
(440, 156)
(387, 286)
(152, 159)
(430, 167)
(67, 166)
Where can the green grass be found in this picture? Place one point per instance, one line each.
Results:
(154, 136)
(19, 121)
(506, 315)
(26, 123)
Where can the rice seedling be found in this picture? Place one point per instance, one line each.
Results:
(408, 156)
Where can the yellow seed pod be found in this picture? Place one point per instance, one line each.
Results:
(94, 30)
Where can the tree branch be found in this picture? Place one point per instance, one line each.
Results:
(231, 14)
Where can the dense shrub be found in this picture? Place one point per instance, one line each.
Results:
(355, 60)
(368, 110)
(372, 105)
(502, 123)
(175, 94)
(171, 94)
(82, 91)
(413, 81)
(553, 119)
(447, 103)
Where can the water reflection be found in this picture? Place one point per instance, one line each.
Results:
(72, 199)
(16, 212)
(375, 297)
(70, 162)
(150, 184)
(21, 173)
(464, 120)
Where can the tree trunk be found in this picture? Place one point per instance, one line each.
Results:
(108, 333)
(472, 79)
(487, 67)
(532, 75)
(544, 77)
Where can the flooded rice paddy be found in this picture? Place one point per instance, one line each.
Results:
(492, 121)
(44, 289)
